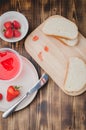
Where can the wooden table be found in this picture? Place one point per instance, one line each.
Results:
(52, 109)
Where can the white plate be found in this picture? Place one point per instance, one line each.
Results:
(26, 80)
(10, 16)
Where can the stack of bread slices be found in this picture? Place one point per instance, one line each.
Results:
(63, 29)
(67, 32)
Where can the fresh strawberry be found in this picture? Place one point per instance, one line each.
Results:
(16, 33)
(7, 64)
(8, 33)
(16, 24)
(12, 29)
(1, 96)
(8, 24)
(12, 92)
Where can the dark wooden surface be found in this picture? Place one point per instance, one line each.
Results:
(51, 109)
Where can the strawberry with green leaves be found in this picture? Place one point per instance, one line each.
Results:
(12, 92)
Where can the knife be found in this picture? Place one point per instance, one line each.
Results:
(41, 82)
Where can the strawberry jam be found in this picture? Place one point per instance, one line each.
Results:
(9, 65)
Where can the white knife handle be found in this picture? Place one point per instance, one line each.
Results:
(12, 109)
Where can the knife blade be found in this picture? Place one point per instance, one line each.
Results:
(41, 82)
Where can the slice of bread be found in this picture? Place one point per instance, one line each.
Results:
(68, 42)
(76, 75)
(59, 26)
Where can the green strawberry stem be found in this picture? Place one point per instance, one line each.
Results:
(4, 30)
(17, 87)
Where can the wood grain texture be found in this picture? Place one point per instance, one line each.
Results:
(51, 109)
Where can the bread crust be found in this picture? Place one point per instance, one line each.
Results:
(64, 41)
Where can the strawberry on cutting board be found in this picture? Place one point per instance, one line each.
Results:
(12, 92)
